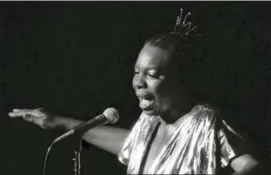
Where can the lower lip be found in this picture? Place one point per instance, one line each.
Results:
(146, 107)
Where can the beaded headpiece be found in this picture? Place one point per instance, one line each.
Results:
(183, 28)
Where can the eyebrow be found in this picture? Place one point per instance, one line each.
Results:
(148, 66)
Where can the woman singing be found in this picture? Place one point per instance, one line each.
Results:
(174, 133)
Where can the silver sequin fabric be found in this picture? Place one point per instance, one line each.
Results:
(191, 149)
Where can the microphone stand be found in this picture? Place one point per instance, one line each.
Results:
(77, 158)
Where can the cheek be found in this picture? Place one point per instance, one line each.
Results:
(154, 86)
(160, 91)
(163, 89)
(165, 94)
(133, 82)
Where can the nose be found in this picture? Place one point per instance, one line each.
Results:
(139, 82)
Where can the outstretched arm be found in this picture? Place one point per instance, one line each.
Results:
(108, 138)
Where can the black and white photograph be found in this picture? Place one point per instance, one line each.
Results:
(135, 87)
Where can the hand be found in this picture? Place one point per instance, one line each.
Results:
(37, 116)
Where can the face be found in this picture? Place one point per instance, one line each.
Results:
(152, 83)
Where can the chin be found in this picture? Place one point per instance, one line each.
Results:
(151, 112)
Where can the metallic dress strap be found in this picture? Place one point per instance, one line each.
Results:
(136, 143)
(144, 159)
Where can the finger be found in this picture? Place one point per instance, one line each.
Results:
(22, 110)
(20, 114)
(14, 114)
(25, 111)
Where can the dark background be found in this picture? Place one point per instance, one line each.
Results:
(76, 59)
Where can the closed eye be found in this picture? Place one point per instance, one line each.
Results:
(135, 72)
(153, 74)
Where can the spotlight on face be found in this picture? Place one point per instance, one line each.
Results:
(152, 82)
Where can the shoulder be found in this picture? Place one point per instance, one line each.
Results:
(213, 120)
(205, 113)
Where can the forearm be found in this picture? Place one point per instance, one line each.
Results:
(108, 138)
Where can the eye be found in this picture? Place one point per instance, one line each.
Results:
(136, 72)
(153, 74)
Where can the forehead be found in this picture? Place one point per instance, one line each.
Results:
(152, 56)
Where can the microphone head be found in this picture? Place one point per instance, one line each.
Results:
(112, 115)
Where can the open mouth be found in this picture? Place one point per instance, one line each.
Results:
(145, 104)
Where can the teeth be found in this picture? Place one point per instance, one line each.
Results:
(145, 103)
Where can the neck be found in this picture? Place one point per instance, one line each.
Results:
(172, 116)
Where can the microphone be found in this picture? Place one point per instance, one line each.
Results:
(110, 115)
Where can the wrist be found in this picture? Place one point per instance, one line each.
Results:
(66, 123)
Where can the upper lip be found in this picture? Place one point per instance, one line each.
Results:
(143, 95)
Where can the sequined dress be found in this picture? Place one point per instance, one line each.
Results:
(191, 149)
